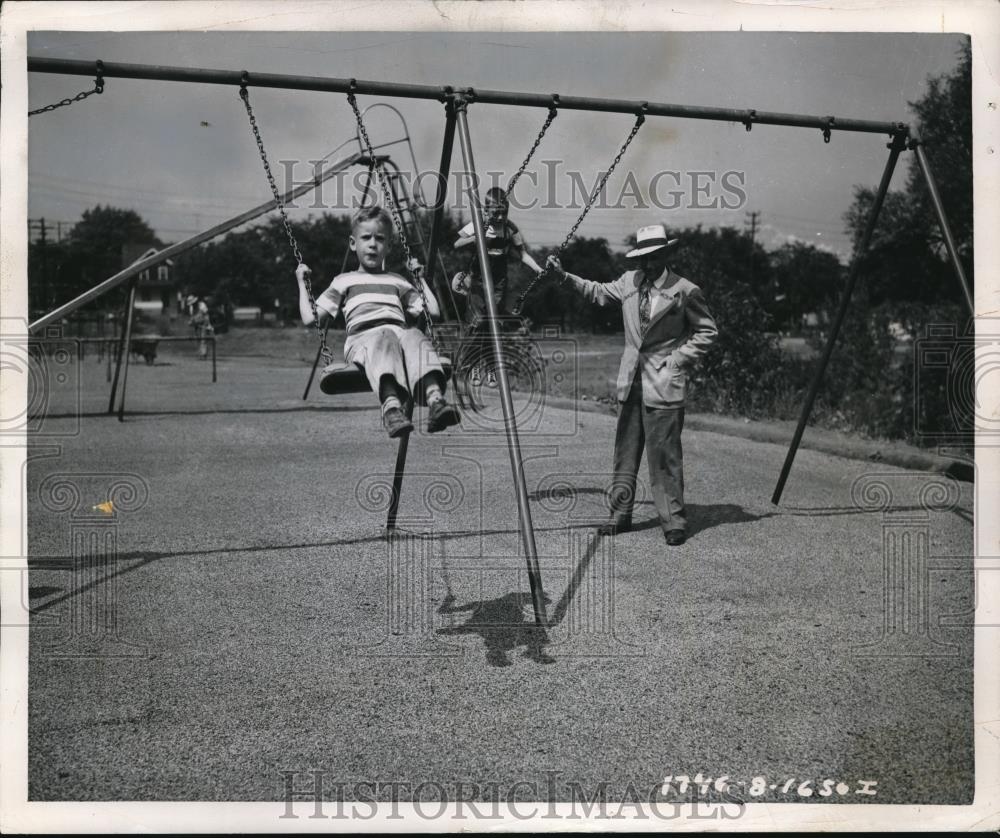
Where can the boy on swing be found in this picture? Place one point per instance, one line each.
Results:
(503, 239)
(379, 307)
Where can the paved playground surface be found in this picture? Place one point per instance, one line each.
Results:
(263, 624)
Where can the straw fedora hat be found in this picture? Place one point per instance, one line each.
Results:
(650, 238)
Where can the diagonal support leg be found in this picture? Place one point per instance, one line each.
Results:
(442, 193)
(312, 373)
(510, 423)
(397, 477)
(123, 345)
(949, 240)
(127, 349)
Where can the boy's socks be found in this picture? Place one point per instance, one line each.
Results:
(390, 402)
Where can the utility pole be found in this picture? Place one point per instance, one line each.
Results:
(753, 237)
(38, 224)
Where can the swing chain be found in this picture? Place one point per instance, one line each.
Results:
(639, 119)
(98, 88)
(553, 113)
(412, 264)
(245, 96)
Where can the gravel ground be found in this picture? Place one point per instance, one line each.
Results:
(261, 622)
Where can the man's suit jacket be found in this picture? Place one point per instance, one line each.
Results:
(679, 331)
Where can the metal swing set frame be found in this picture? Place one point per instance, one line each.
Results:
(456, 101)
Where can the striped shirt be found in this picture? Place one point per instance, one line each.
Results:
(365, 297)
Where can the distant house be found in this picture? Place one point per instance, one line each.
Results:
(156, 292)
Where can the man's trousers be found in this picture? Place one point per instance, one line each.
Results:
(658, 430)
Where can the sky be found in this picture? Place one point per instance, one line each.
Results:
(183, 157)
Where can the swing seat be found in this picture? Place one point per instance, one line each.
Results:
(340, 378)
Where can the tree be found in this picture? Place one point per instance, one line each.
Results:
(805, 279)
(47, 283)
(720, 257)
(550, 301)
(742, 369)
(256, 266)
(97, 240)
(92, 252)
(944, 116)
(906, 260)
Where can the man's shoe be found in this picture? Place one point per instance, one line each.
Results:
(442, 415)
(615, 526)
(675, 538)
(396, 423)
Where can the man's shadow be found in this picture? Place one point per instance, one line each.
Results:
(502, 624)
(701, 517)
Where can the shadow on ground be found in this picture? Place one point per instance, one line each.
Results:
(701, 517)
(503, 626)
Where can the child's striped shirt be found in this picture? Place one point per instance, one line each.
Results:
(365, 298)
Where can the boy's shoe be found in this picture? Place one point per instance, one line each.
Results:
(442, 415)
(475, 378)
(396, 423)
(491, 378)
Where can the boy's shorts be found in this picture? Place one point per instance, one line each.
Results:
(404, 353)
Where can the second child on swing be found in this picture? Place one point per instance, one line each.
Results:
(503, 240)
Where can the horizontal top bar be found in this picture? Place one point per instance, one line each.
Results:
(442, 93)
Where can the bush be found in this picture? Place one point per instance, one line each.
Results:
(742, 371)
(861, 389)
(938, 400)
(872, 385)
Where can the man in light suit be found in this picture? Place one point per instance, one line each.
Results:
(667, 327)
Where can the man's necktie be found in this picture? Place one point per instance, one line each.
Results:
(644, 303)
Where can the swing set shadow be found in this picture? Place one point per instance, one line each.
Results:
(456, 101)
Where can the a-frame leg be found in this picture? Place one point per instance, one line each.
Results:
(397, 477)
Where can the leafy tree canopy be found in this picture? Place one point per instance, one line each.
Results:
(906, 260)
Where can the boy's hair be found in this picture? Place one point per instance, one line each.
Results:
(371, 213)
(497, 194)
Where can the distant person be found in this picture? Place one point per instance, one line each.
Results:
(202, 322)
(503, 240)
(667, 328)
(379, 309)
